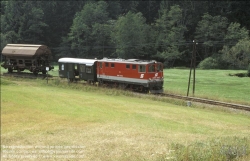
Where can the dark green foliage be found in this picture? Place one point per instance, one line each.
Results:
(161, 30)
(89, 31)
(237, 56)
(235, 33)
(129, 35)
(209, 63)
(170, 33)
(59, 16)
(23, 22)
(211, 31)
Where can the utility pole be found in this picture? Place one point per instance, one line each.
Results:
(47, 70)
(192, 66)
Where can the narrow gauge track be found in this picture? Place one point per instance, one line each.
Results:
(207, 101)
(27, 75)
(194, 99)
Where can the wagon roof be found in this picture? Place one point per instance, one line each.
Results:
(129, 61)
(77, 60)
(25, 50)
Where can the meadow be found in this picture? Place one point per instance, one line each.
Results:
(212, 84)
(64, 121)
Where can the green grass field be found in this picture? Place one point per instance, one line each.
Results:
(106, 124)
(213, 84)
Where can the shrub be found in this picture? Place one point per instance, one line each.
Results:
(213, 62)
(209, 63)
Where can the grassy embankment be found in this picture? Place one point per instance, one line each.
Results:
(116, 125)
(211, 84)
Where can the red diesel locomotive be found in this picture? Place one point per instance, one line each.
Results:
(137, 75)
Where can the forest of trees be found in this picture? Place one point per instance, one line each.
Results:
(160, 30)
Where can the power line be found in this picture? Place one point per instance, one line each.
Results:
(146, 44)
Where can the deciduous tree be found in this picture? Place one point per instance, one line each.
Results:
(88, 22)
(170, 33)
(211, 31)
(129, 35)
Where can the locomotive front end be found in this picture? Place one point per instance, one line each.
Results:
(155, 80)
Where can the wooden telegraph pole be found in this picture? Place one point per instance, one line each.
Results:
(192, 66)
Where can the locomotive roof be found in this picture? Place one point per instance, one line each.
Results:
(25, 50)
(130, 61)
(77, 60)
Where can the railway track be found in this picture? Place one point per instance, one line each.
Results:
(207, 101)
(27, 75)
(193, 99)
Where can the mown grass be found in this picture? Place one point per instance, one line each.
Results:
(115, 125)
(212, 84)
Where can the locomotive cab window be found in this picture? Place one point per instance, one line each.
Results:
(151, 68)
(142, 68)
(112, 65)
(127, 66)
(159, 67)
(100, 65)
(106, 64)
(134, 66)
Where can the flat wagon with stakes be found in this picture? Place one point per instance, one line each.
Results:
(34, 58)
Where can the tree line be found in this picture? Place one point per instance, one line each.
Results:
(160, 30)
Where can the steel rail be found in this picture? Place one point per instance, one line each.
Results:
(211, 102)
(26, 75)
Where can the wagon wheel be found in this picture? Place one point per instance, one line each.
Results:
(122, 86)
(100, 83)
(44, 71)
(105, 84)
(115, 85)
(70, 79)
(10, 70)
(35, 72)
(131, 87)
(141, 88)
(146, 90)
